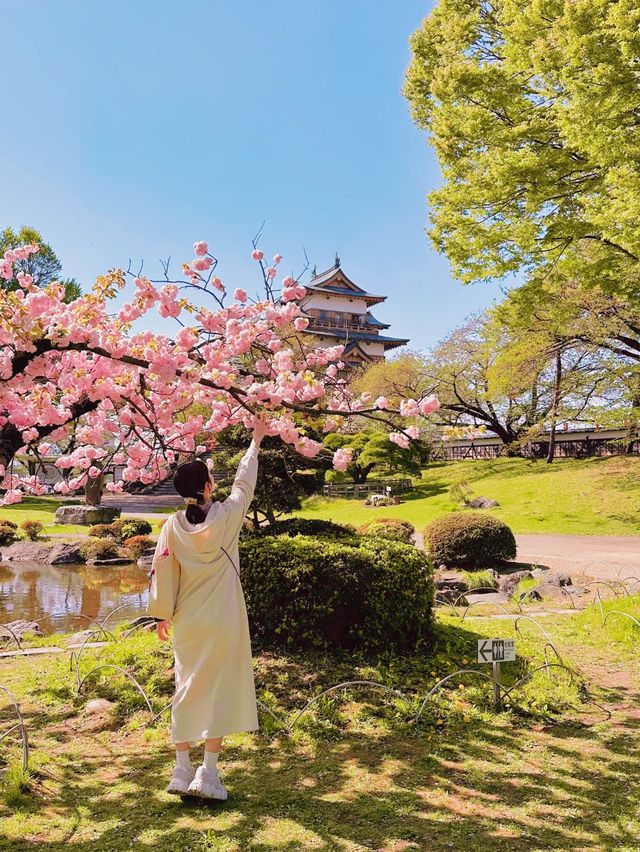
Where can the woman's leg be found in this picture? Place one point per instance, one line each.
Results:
(213, 745)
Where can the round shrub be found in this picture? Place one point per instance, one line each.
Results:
(301, 526)
(102, 531)
(390, 528)
(32, 529)
(125, 528)
(357, 593)
(8, 532)
(137, 545)
(470, 540)
(101, 548)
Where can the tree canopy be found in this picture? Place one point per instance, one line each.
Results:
(532, 109)
(43, 266)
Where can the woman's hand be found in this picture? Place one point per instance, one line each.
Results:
(259, 431)
(162, 629)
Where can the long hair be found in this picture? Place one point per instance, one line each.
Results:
(190, 480)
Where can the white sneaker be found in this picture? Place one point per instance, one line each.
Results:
(208, 785)
(181, 779)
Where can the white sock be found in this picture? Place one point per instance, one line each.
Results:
(183, 759)
(210, 761)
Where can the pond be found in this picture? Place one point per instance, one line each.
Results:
(66, 598)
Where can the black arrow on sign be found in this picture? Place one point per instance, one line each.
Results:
(486, 652)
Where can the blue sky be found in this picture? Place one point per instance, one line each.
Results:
(134, 128)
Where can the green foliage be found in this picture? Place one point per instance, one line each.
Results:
(306, 592)
(470, 540)
(480, 579)
(32, 529)
(44, 266)
(461, 492)
(137, 545)
(532, 111)
(122, 529)
(374, 450)
(392, 529)
(301, 526)
(99, 548)
(8, 532)
(125, 528)
(102, 531)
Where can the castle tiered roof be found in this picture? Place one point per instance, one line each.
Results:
(351, 321)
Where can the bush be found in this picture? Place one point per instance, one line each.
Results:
(137, 544)
(301, 526)
(102, 531)
(390, 528)
(32, 529)
(473, 541)
(101, 548)
(125, 528)
(358, 593)
(8, 532)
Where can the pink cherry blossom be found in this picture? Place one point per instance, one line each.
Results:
(240, 295)
(300, 323)
(256, 254)
(200, 248)
(277, 258)
(428, 405)
(400, 439)
(342, 458)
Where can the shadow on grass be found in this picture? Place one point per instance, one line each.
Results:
(481, 789)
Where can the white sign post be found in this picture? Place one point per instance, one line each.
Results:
(496, 651)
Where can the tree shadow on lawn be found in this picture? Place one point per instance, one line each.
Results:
(476, 788)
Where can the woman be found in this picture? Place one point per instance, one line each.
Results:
(195, 583)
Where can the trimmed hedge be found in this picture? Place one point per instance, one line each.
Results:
(8, 532)
(393, 529)
(357, 593)
(99, 548)
(469, 540)
(122, 529)
(301, 526)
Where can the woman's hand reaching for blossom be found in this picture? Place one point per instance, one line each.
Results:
(259, 431)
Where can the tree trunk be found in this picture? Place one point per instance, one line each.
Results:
(93, 490)
(554, 408)
(632, 432)
(10, 442)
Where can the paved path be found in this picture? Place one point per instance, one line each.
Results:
(142, 505)
(602, 556)
(598, 555)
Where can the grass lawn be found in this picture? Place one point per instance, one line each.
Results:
(43, 509)
(552, 772)
(590, 497)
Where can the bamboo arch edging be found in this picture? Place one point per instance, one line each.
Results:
(20, 724)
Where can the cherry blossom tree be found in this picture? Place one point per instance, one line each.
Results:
(82, 375)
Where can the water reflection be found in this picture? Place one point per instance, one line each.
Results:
(64, 598)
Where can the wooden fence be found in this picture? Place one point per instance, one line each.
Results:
(363, 489)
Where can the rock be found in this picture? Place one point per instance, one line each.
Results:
(450, 585)
(146, 559)
(507, 582)
(115, 560)
(65, 553)
(79, 637)
(481, 503)
(33, 551)
(20, 628)
(80, 514)
(25, 551)
(99, 705)
(487, 597)
(558, 578)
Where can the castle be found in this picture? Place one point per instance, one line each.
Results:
(339, 312)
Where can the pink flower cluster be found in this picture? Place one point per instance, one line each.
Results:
(78, 377)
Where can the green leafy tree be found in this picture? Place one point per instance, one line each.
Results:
(374, 450)
(44, 266)
(284, 476)
(533, 112)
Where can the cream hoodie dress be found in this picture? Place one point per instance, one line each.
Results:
(195, 582)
